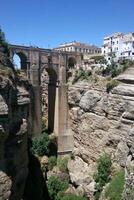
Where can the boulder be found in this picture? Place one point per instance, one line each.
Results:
(89, 100)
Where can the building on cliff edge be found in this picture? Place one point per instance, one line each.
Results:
(78, 47)
(118, 45)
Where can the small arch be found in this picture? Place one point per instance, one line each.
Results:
(20, 61)
(71, 62)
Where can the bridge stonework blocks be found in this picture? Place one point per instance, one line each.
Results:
(34, 61)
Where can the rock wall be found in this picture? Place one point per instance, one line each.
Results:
(101, 123)
(14, 121)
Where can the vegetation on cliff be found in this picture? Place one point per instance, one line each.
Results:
(116, 186)
(3, 43)
(56, 187)
(81, 74)
(40, 144)
(103, 173)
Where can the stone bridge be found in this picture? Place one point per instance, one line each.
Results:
(34, 60)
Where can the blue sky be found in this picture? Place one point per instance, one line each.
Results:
(47, 23)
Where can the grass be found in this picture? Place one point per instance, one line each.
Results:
(115, 189)
(62, 164)
(103, 173)
(111, 84)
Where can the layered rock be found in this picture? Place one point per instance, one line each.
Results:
(101, 123)
(14, 120)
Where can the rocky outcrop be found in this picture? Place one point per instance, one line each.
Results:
(101, 123)
(14, 113)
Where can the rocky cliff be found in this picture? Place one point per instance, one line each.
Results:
(102, 122)
(14, 113)
(20, 172)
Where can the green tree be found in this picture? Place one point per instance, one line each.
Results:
(3, 43)
(40, 144)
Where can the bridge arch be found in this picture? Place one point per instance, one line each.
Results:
(22, 59)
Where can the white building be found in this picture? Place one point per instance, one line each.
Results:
(119, 46)
(79, 47)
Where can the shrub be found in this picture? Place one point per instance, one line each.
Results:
(103, 173)
(99, 59)
(110, 85)
(81, 74)
(44, 123)
(62, 164)
(116, 71)
(113, 70)
(72, 197)
(115, 188)
(52, 161)
(3, 43)
(40, 144)
(56, 187)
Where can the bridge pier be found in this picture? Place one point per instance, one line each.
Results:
(36, 92)
(65, 137)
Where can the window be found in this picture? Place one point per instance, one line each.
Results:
(113, 43)
(132, 53)
(117, 42)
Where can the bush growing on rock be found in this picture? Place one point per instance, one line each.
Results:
(52, 161)
(40, 144)
(56, 187)
(110, 85)
(62, 164)
(103, 173)
(81, 74)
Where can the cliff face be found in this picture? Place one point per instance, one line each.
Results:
(102, 122)
(14, 117)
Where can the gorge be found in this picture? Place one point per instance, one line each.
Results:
(87, 123)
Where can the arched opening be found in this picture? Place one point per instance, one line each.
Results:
(71, 62)
(71, 67)
(20, 61)
(16, 61)
(48, 83)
